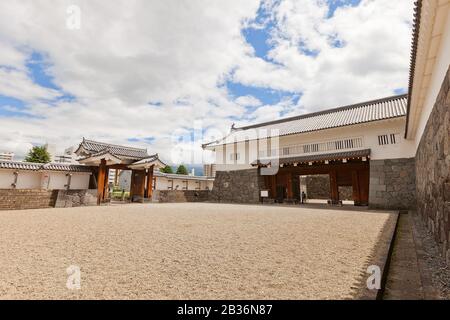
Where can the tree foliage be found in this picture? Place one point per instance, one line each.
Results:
(182, 170)
(38, 154)
(166, 169)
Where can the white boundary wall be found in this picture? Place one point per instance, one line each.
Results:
(46, 180)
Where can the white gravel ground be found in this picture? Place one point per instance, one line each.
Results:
(190, 251)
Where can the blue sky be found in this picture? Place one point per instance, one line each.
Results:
(37, 66)
(335, 4)
(38, 71)
(5, 106)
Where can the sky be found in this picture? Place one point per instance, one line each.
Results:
(169, 75)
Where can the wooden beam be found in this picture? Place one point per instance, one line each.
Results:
(334, 191)
(150, 182)
(119, 166)
(101, 181)
(324, 168)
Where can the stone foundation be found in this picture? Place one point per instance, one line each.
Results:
(392, 184)
(17, 199)
(433, 171)
(240, 186)
(76, 198)
(181, 195)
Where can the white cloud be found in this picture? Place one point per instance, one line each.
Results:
(373, 61)
(132, 52)
(248, 101)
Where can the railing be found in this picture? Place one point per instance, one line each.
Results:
(342, 144)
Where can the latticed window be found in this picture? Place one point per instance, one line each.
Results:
(383, 139)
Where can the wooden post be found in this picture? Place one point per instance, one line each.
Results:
(101, 181)
(116, 177)
(150, 182)
(355, 187)
(289, 185)
(334, 191)
(106, 183)
(132, 185)
(141, 185)
(273, 186)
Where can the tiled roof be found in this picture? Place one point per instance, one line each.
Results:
(97, 148)
(20, 165)
(381, 109)
(17, 165)
(317, 157)
(412, 64)
(149, 159)
(66, 167)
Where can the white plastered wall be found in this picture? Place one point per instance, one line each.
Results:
(28, 179)
(163, 183)
(436, 76)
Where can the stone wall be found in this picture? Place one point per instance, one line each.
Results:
(345, 192)
(318, 186)
(392, 184)
(15, 199)
(239, 186)
(76, 198)
(181, 195)
(433, 170)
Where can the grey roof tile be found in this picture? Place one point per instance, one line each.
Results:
(375, 110)
(99, 148)
(17, 165)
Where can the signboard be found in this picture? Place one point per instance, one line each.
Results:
(264, 193)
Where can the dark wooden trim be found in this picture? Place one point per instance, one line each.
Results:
(101, 181)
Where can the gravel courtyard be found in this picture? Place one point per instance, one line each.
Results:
(190, 251)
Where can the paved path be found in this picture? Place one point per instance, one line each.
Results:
(409, 277)
(403, 280)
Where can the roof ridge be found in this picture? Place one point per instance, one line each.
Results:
(42, 164)
(113, 145)
(326, 111)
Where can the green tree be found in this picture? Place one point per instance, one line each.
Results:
(38, 154)
(182, 170)
(166, 169)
